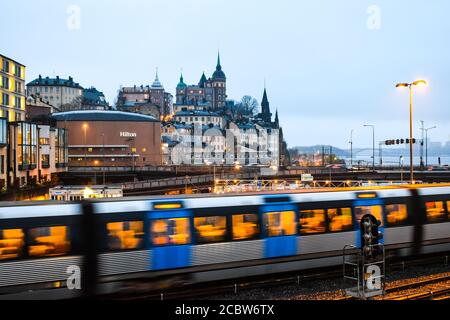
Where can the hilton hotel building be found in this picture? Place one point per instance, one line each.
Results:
(111, 138)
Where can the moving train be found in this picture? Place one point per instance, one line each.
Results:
(212, 237)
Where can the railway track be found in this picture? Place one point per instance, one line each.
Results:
(237, 286)
(441, 291)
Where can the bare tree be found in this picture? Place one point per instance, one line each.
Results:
(75, 104)
(246, 108)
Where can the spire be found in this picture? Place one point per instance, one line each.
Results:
(181, 84)
(277, 122)
(202, 80)
(265, 101)
(156, 84)
(218, 67)
(265, 108)
(219, 74)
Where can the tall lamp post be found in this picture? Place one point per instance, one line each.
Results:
(351, 149)
(410, 86)
(104, 159)
(85, 146)
(373, 144)
(426, 145)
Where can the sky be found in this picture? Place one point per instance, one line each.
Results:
(329, 66)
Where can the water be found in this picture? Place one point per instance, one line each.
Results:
(395, 160)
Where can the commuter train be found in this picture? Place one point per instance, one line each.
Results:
(212, 237)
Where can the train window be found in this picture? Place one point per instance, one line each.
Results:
(11, 243)
(125, 235)
(49, 241)
(340, 219)
(280, 223)
(376, 211)
(435, 211)
(312, 221)
(170, 231)
(245, 226)
(210, 229)
(396, 214)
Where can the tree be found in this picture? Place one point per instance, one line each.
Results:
(246, 108)
(75, 104)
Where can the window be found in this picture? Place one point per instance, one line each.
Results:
(125, 235)
(245, 226)
(5, 99)
(17, 71)
(170, 231)
(5, 83)
(376, 211)
(312, 221)
(210, 229)
(435, 211)
(396, 214)
(5, 65)
(340, 219)
(49, 241)
(280, 223)
(11, 243)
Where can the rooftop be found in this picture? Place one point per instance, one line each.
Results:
(196, 113)
(101, 115)
(55, 82)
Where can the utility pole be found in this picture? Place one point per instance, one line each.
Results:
(421, 146)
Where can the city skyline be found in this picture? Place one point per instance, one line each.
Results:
(318, 94)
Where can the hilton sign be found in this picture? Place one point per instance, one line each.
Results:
(128, 134)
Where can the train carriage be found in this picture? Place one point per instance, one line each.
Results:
(211, 238)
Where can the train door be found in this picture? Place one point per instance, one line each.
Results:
(279, 220)
(367, 203)
(170, 236)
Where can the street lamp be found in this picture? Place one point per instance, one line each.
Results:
(373, 144)
(426, 145)
(420, 83)
(401, 168)
(351, 149)
(104, 159)
(85, 126)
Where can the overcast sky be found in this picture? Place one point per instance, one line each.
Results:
(330, 66)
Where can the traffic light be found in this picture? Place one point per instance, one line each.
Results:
(370, 235)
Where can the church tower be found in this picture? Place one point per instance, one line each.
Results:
(266, 116)
(181, 91)
(219, 84)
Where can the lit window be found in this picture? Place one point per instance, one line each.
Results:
(396, 214)
(280, 223)
(435, 211)
(373, 210)
(245, 226)
(210, 229)
(11, 243)
(49, 241)
(312, 221)
(125, 235)
(340, 219)
(170, 231)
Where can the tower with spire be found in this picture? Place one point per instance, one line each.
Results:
(265, 114)
(219, 85)
(209, 93)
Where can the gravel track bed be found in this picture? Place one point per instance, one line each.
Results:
(331, 289)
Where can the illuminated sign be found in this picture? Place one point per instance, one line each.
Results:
(128, 134)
